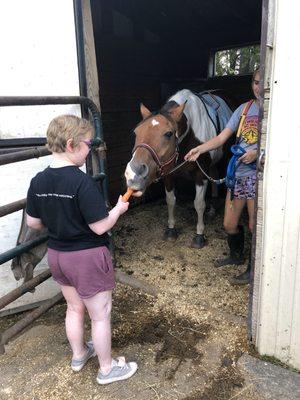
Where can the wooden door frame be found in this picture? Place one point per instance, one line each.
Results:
(266, 54)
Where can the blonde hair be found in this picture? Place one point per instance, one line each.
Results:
(65, 127)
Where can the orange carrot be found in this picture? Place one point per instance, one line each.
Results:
(127, 195)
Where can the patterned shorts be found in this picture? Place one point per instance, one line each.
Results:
(245, 187)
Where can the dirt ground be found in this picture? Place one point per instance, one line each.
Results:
(186, 342)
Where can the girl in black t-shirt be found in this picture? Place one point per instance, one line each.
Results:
(70, 204)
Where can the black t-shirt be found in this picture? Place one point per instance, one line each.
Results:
(67, 200)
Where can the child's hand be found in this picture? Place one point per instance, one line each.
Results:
(122, 206)
(248, 157)
(193, 154)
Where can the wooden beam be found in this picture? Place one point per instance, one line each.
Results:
(90, 54)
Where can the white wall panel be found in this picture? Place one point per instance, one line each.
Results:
(278, 332)
(38, 58)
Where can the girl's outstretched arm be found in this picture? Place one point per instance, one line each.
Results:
(211, 144)
(105, 224)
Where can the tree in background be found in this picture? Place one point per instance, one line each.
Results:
(237, 61)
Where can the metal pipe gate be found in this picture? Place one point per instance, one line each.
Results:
(20, 155)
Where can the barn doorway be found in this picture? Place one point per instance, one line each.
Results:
(147, 51)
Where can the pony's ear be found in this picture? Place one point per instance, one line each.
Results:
(144, 111)
(176, 112)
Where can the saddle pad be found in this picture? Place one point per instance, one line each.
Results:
(217, 109)
(198, 117)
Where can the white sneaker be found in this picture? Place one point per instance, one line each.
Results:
(77, 365)
(120, 371)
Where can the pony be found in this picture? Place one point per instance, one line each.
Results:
(161, 141)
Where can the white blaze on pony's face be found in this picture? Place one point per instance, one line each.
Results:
(154, 145)
(154, 122)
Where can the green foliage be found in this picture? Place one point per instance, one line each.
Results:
(237, 61)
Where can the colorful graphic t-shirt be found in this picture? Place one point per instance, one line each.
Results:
(249, 135)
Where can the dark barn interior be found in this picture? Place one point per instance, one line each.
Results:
(147, 50)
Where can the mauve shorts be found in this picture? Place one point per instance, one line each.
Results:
(89, 271)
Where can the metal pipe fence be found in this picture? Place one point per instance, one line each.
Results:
(26, 287)
(12, 207)
(15, 156)
(24, 155)
(24, 322)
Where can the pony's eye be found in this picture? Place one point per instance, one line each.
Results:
(168, 134)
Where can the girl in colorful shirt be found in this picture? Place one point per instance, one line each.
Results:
(244, 188)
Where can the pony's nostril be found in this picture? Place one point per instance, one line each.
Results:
(144, 170)
(140, 170)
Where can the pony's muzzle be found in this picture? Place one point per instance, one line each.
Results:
(136, 175)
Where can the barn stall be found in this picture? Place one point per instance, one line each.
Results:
(137, 51)
(146, 52)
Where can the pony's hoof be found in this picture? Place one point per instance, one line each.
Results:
(198, 242)
(170, 234)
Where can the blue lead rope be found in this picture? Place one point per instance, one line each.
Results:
(237, 152)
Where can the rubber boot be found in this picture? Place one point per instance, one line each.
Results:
(236, 246)
(244, 278)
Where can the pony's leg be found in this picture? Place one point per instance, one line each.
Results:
(211, 209)
(199, 203)
(211, 212)
(170, 233)
(171, 201)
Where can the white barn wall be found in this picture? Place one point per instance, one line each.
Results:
(279, 293)
(39, 44)
(39, 58)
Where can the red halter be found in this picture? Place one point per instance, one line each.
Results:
(161, 165)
